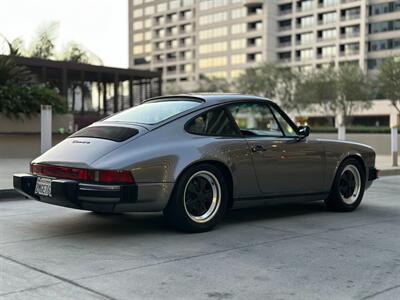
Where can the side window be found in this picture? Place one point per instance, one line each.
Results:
(286, 127)
(255, 119)
(214, 122)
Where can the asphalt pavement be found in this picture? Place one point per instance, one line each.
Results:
(296, 251)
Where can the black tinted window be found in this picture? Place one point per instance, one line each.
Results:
(214, 122)
(113, 133)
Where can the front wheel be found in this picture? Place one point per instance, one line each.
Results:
(348, 187)
(199, 199)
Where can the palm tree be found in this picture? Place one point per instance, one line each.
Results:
(43, 44)
(75, 52)
(11, 72)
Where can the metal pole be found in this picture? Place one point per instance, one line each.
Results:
(45, 128)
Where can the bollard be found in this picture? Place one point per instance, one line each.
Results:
(45, 128)
(340, 125)
(394, 123)
(342, 132)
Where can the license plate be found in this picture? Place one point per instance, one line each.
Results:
(43, 186)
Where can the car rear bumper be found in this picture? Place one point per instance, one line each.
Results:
(97, 197)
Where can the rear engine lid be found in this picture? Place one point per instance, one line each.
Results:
(89, 144)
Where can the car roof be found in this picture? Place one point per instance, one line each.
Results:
(212, 98)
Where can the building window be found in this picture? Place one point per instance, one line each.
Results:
(212, 62)
(328, 52)
(213, 18)
(213, 33)
(147, 35)
(138, 37)
(174, 4)
(306, 21)
(237, 73)
(238, 59)
(161, 7)
(328, 18)
(138, 13)
(328, 34)
(238, 44)
(209, 4)
(239, 13)
(306, 54)
(213, 47)
(305, 38)
(138, 49)
(149, 10)
(137, 25)
(238, 28)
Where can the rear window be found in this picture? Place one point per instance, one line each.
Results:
(154, 112)
(112, 133)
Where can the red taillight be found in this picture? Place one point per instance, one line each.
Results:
(101, 176)
(115, 176)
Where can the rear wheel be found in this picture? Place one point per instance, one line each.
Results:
(348, 187)
(199, 199)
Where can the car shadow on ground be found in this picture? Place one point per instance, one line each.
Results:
(274, 211)
(144, 223)
(110, 226)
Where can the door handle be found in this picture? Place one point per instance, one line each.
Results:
(257, 148)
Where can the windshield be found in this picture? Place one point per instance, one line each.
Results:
(154, 112)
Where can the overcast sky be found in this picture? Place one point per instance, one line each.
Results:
(100, 25)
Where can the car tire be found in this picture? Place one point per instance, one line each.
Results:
(199, 199)
(348, 187)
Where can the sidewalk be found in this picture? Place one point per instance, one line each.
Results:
(8, 167)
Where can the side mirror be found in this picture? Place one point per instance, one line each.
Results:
(304, 131)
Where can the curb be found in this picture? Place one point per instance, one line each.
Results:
(9, 193)
(389, 172)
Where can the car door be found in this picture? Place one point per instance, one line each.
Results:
(284, 164)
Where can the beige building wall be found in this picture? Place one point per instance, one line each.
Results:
(221, 38)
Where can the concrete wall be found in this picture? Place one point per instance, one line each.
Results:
(32, 125)
(380, 142)
(23, 145)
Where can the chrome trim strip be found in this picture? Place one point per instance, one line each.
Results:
(98, 187)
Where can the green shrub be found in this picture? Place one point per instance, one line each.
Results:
(18, 98)
(19, 95)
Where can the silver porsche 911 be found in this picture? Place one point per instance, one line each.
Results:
(195, 156)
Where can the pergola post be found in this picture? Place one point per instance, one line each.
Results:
(140, 91)
(151, 88)
(130, 92)
(159, 85)
(83, 91)
(105, 98)
(44, 74)
(64, 83)
(116, 94)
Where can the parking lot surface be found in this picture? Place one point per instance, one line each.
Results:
(295, 251)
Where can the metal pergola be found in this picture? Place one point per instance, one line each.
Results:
(64, 75)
